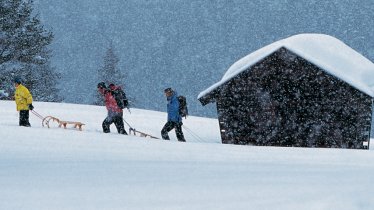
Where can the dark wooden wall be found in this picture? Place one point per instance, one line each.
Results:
(284, 100)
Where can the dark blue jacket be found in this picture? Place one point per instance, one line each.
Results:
(173, 108)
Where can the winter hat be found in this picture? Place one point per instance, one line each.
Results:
(168, 90)
(17, 80)
(112, 86)
(101, 85)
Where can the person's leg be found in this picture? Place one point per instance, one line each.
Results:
(167, 127)
(179, 132)
(27, 118)
(21, 118)
(119, 125)
(106, 124)
(24, 118)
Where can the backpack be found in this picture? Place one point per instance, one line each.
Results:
(120, 97)
(183, 111)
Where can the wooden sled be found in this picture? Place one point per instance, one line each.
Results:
(76, 124)
(142, 134)
(61, 123)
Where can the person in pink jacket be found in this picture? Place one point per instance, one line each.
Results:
(115, 113)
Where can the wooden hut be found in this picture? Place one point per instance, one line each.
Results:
(309, 90)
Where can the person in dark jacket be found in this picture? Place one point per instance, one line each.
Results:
(115, 114)
(174, 118)
(23, 99)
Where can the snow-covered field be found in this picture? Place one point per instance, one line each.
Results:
(51, 169)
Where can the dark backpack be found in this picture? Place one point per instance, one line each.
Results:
(183, 111)
(120, 97)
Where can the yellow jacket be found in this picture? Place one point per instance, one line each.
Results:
(22, 97)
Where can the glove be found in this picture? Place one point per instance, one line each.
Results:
(31, 107)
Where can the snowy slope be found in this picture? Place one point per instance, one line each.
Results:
(54, 168)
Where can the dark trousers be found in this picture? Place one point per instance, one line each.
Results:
(118, 122)
(24, 118)
(170, 126)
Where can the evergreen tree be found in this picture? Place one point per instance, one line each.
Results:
(109, 73)
(24, 52)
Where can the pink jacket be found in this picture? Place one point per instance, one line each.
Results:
(110, 101)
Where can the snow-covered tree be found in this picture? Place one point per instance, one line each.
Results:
(45, 88)
(24, 50)
(109, 72)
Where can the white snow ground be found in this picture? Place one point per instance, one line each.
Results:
(53, 169)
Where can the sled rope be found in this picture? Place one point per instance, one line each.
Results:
(127, 124)
(37, 114)
(45, 120)
(194, 135)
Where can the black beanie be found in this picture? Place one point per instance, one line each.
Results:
(17, 80)
(168, 90)
(101, 85)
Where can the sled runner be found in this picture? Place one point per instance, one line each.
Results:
(76, 124)
(46, 120)
(142, 134)
(61, 123)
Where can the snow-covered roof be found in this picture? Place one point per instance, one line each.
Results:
(324, 51)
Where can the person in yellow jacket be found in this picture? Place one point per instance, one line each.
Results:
(23, 99)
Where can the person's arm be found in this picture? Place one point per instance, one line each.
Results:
(25, 93)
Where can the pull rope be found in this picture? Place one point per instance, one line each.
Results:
(131, 129)
(194, 135)
(128, 124)
(37, 114)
